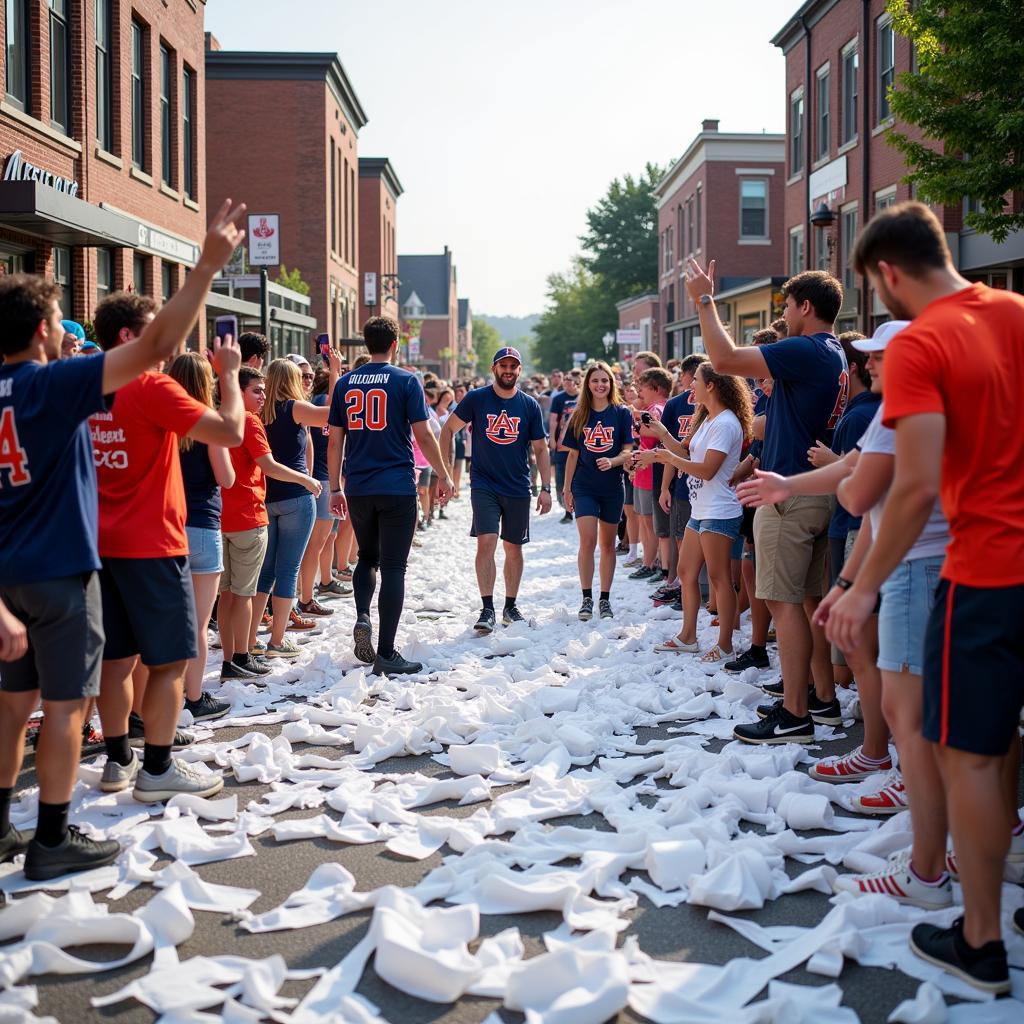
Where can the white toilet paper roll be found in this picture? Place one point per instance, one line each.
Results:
(806, 810)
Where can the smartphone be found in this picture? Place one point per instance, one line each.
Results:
(645, 418)
(323, 346)
(225, 326)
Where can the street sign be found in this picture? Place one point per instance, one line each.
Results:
(370, 288)
(414, 350)
(579, 358)
(629, 336)
(264, 240)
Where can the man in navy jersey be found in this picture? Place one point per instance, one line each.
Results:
(506, 425)
(48, 537)
(562, 407)
(375, 410)
(811, 384)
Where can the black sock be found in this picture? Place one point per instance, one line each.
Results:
(488, 601)
(156, 759)
(52, 826)
(606, 595)
(5, 808)
(588, 592)
(118, 749)
(240, 659)
(510, 602)
(758, 649)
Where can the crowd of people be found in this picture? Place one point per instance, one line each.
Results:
(875, 538)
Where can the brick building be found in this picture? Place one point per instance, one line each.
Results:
(282, 135)
(103, 145)
(427, 296)
(841, 58)
(722, 200)
(640, 314)
(467, 358)
(379, 189)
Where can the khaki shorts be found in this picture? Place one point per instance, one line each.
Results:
(243, 559)
(791, 540)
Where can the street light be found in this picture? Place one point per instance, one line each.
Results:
(608, 341)
(822, 219)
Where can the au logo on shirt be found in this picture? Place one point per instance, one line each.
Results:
(599, 438)
(502, 428)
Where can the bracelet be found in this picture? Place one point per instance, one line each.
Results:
(843, 583)
(333, 493)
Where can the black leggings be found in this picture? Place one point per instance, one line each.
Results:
(384, 525)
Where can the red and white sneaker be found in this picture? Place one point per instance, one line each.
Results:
(890, 799)
(1013, 866)
(899, 882)
(851, 767)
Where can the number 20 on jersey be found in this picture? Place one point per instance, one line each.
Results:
(366, 410)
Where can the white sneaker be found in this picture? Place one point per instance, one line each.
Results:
(1013, 866)
(897, 881)
(890, 799)
(179, 778)
(118, 777)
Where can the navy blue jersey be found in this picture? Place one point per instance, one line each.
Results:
(376, 406)
(849, 430)
(811, 385)
(563, 405)
(760, 409)
(202, 492)
(48, 504)
(602, 438)
(503, 429)
(676, 416)
(320, 437)
(287, 439)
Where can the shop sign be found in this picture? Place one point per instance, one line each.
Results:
(369, 288)
(19, 169)
(264, 240)
(175, 249)
(628, 336)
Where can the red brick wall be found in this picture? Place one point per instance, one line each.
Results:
(377, 235)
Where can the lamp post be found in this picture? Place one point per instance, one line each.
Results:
(822, 219)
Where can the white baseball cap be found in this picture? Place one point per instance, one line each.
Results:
(884, 333)
(298, 360)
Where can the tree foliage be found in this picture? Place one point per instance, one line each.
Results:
(967, 95)
(621, 242)
(486, 341)
(292, 279)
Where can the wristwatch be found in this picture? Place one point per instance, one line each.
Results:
(843, 583)
(705, 299)
(546, 488)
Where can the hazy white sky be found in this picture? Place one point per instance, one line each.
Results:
(506, 120)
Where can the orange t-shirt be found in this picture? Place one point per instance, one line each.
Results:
(963, 357)
(245, 504)
(135, 447)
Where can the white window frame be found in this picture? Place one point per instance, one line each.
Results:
(823, 117)
(848, 133)
(797, 96)
(794, 234)
(881, 24)
(884, 197)
(846, 245)
(767, 209)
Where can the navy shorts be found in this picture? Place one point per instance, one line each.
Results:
(607, 507)
(974, 668)
(498, 513)
(627, 489)
(148, 609)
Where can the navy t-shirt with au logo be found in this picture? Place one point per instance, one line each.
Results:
(503, 431)
(602, 438)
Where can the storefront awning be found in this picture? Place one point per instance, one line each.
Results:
(37, 209)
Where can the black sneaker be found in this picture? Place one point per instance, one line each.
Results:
(362, 635)
(567, 518)
(257, 665)
(206, 709)
(421, 526)
(487, 621)
(752, 658)
(396, 665)
(137, 734)
(605, 608)
(666, 593)
(586, 609)
(77, 853)
(677, 604)
(252, 668)
(510, 615)
(776, 689)
(778, 726)
(643, 573)
(824, 712)
(1018, 920)
(983, 968)
(13, 842)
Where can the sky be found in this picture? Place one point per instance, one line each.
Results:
(506, 121)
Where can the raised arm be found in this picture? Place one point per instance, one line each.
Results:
(224, 426)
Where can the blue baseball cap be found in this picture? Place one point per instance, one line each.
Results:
(73, 327)
(507, 353)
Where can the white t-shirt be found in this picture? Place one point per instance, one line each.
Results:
(880, 440)
(714, 498)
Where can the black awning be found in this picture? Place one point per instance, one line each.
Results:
(37, 209)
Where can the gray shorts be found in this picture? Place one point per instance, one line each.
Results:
(65, 638)
(662, 522)
(643, 501)
(678, 517)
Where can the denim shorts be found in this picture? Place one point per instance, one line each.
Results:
(323, 503)
(291, 523)
(205, 550)
(727, 527)
(907, 598)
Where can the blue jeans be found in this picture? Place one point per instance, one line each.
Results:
(291, 523)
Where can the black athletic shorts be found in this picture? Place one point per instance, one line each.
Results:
(747, 526)
(148, 609)
(498, 513)
(65, 638)
(974, 668)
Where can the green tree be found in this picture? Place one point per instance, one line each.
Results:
(486, 341)
(967, 96)
(621, 242)
(292, 279)
(581, 308)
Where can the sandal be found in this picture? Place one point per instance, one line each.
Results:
(677, 646)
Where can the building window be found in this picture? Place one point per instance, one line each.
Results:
(138, 96)
(696, 218)
(753, 208)
(60, 52)
(352, 217)
(334, 204)
(347, 200)
(823, 98)
(166, 154)
(104, 273)
(886, 51)
(689, 226)
(796, 250)
(681, 230)
(849, 228)
(884, 198)
(18, 49)
(188, 128)
(104, 115)
(139, 273)
(851, 66)
(796, 132)
(166, 280)
(62, 275)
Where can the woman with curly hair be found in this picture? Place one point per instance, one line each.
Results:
(720, 429)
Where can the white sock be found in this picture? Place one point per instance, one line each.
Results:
(632, 550)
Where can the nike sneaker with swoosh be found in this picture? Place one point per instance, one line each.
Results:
(778, 726)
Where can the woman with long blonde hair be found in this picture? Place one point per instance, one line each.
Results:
(599, 438)
(291, 507)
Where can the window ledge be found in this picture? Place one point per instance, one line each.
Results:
(847, 146)
(140, 175)
(190, 203)
(754, 241)
(796, 177)
(883, 126)
(109, 158)
(11, 111)
(169, 192)
(821, 161)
